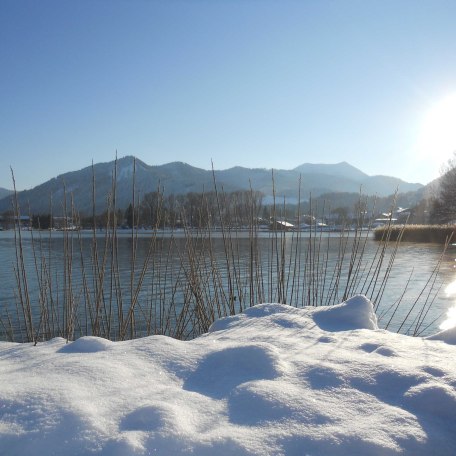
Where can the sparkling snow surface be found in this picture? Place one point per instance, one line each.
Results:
(274, 380)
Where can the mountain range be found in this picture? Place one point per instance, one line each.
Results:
(4, 192)
(180, 178)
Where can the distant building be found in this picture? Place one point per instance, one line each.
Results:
(64, 223)
(400, 215)
(383, 221)
(281, 225)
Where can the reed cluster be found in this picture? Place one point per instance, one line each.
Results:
(177, 282)
(440, 234)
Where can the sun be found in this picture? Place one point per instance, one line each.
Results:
(438, 132)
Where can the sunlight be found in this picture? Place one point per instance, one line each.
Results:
(450, 290)
(450, 321)
(438, 133)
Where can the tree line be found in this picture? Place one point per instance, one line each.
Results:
(195, 210)
(443, 203)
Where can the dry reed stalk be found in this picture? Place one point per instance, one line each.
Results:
(20, 269)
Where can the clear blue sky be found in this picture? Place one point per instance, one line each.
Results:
(268, 84)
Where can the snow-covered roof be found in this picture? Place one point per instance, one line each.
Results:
(284, 223)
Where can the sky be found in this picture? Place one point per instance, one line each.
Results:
(272, 381)
(261, 84)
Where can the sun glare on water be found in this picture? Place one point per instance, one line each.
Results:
(438, 132)
(450, 321)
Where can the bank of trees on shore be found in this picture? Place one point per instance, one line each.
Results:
(213, 208)
(444, 202)
(155, 210)
(197, 209)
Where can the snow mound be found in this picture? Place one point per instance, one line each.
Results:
(87, 344)
(448, 336)
(355, 313)
(272, 312)
(434, 399)
(273, 381)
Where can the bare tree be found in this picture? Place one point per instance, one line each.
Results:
(444, 205)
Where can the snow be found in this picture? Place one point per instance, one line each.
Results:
(274, 380)
(448, 336)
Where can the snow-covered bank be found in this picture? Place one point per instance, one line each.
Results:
(274, 380)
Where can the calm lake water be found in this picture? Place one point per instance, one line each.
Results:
(297, 269)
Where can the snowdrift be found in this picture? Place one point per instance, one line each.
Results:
(274, 380)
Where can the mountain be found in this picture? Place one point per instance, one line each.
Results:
(342, 169)
(4, 192)
(181, 178)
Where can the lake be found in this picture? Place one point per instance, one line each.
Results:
(123, 284)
